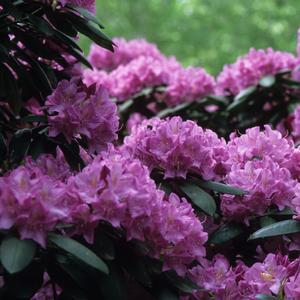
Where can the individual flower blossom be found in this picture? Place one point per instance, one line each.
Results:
(32, 203)
(53, 166)
(268, 277)
(218, 278)
(250, 68)
(135, 119)
(118, 189)
(187, 85)
(125, 52)
(178, 147)
(76, 109)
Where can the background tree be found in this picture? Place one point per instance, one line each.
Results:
(202, 32)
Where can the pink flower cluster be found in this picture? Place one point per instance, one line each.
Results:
(76, 109)
(138, 65)
(262, 163)
(32, 203)
(125, 52)
(274, 276)
(144, 71)
(249, 69)
(178, 147)
(113, 188)
(259, 162)
(119, 190)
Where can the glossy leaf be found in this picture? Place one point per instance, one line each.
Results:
(225, 233)
(267, 81)
(16, 254)
(266, 297)
(200, 198)
(79, 251)
(279, 228)
(113, 286)
(183, 284)
(221, 188)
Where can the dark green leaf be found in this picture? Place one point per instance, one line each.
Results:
(266, 221)
(16, 254)
(200, 198)
(285, 212)
(79, 251)
(245, 93)
(279, 228)
(171, 111)
(225, 233)
(71, 153)
(11, 88)
(267, 81)
(85, 13)
(136, 267)
(103, 246)
(61, 23)
(19, 144)
(3, 148)
(266, 297)
(113, 286)
(25, 284)
(93, 33)
(166, 294)
(35, 118)
(183, 284)
(42, 25)
(221, 188)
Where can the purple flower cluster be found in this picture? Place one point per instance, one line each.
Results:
(274, 276)
(259, 162)
(113, 188)
(119, 190)
(249, 69)
(178, 147)
(31, 202)
(125, 52)
(142, 72)
(75, 109)
(138, 64)
(188, 84)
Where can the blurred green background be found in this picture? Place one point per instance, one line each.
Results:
(207, 33)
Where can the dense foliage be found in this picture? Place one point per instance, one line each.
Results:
(140, 178)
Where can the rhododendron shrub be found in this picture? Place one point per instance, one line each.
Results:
(143, 80)
(138, 178)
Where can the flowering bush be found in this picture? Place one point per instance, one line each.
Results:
(139, 178)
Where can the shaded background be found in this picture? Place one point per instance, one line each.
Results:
(207, 33)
